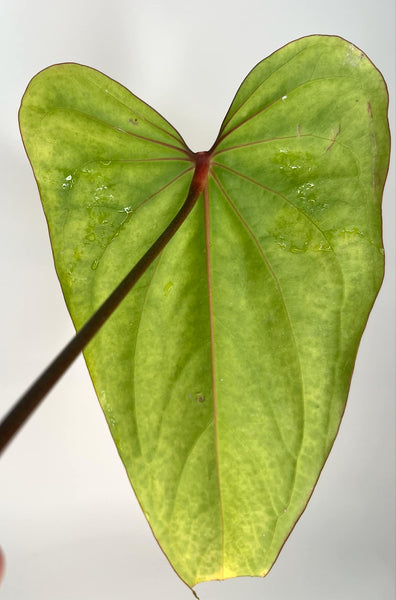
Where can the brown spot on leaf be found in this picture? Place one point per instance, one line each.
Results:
(333, 138)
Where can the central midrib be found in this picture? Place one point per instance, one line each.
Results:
(212, 351)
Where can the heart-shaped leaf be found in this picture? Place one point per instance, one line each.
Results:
(224, 373)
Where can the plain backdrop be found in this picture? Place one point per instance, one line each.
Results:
(70, 526)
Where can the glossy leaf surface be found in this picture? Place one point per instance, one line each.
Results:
(224, 374)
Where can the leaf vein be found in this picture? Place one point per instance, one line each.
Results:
(267, 106)
(212, 346)
(115, 128)
(183, 467)
(268, 189)
(262, 82)
(135, 112)
(128, 215)
(279, 289)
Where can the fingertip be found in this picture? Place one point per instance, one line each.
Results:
(2, 563)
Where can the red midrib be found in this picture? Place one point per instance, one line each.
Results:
(199, 184)
(211, 322)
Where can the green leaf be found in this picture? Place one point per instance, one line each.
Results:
(224, 373)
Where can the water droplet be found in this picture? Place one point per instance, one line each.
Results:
(324, 246)
(91, 237)
(105, 163)
(168, 287)
(281, 243)
(68, 183)
(128, 209)
(221, 379)
(284, 97)
(94, 265)
(306, 191)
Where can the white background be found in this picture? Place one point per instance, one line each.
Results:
(70, 526)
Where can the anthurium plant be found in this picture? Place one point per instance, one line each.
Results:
(224, 357)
